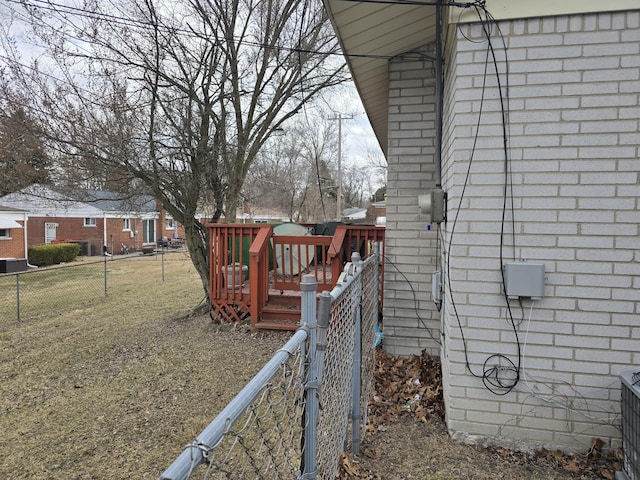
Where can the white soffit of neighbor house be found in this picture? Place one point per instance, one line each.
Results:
(371, 33)
(7, 223)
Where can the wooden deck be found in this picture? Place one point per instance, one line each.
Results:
(255, 275)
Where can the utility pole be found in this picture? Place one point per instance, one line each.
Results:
(340, 117)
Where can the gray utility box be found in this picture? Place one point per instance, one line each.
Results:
(524, 279)
(13, 265)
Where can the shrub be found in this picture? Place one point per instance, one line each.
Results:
(52, 254)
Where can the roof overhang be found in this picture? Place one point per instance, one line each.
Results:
(373, 32)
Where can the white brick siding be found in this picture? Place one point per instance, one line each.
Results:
(574, 166)
(410, 317)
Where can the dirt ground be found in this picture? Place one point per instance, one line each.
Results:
(409, 449)
(412, 443)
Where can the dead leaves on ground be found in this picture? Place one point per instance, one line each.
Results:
(593, 463)
(405, 386)
(413, 386)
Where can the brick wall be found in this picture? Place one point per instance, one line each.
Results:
(132, 238)
(74, 229)
(13, 247)
(573, 165)
(67, 228)
(410, 316)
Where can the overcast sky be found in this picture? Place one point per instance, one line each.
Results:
(359, 144)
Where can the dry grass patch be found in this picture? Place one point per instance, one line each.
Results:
(115, 388)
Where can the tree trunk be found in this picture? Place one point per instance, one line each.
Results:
(184, 112)
(197, 239)
(231, 205)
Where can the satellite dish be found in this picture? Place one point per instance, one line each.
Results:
(291, 260)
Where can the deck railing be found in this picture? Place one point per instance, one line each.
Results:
(259, 268)
(295, 256)
(249, 261)
(229, 269)
(361, 239)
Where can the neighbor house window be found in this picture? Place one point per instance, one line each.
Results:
(89, 222)
(4, 233)
(126, 224)
(168, 223)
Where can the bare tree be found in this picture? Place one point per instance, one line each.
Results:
(294, 174)
(175, 99)
(356, 186)
(278, 177)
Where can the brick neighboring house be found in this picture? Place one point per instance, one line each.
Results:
(13, 237)
(93, 219)
(558, 184)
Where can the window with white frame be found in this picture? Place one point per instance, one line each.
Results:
(5, 233)
(168, 223)
(126, 224)
(89, 222)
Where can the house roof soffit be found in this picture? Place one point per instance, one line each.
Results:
(371, 34)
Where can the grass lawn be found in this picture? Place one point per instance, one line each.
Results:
(114, 387)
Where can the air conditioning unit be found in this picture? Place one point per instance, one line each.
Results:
(630, 397)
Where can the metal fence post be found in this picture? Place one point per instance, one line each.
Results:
(356, 414)
(105, 275)
(356, 260)
(163, 264)
(309, 469)
(18, 295)
(324, 315)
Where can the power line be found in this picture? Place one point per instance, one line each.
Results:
(133, 23)
(80, 12)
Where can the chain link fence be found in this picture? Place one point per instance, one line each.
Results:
(52, 290)
(291, 421)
